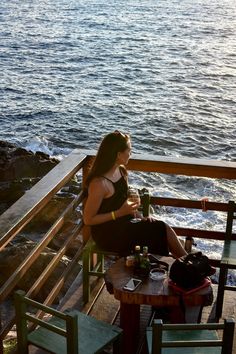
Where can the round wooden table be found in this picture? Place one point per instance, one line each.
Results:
(155, 293)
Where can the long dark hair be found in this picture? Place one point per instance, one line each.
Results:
(106, 156)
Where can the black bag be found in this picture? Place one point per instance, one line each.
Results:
(189, 271)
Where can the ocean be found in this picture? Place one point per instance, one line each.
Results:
(163, 71)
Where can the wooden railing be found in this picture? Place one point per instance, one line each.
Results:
(13, 220)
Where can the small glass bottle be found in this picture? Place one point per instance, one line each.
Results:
(129, 262)
(137, 256)
(145, 262)
(145, 251)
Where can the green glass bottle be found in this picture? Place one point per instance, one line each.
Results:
(145, 262)
(137, 257)
(146, 203)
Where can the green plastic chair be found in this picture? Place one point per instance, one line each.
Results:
(196, 338)
(70, 332)
(89, 268)
(228, 260)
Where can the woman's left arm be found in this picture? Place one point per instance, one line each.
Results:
(96, 193)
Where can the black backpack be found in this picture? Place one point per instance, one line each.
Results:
(189, 271)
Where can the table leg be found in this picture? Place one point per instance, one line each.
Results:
(130, 322)
(176, 314)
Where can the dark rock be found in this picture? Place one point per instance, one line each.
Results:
(45, 218)
(12, 256)
(19, 171)
(17, 163)
(62, 236)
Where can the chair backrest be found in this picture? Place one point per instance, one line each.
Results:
(67, 323)
(230, 219)
(199, 335)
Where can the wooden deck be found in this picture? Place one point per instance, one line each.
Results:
(103, 306)
(20, 214)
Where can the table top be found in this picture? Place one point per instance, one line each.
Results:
(146, 293)
(150, 292)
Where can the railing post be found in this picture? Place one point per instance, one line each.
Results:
(85, 171)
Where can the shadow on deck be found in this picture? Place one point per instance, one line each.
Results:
(105, 307)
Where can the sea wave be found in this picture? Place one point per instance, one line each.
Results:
(163, 71)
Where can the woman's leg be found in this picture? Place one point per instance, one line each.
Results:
(174, 244)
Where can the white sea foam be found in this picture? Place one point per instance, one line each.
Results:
(39, 144)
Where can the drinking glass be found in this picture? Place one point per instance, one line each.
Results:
(133, 197)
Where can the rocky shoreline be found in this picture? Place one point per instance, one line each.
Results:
(19, 171)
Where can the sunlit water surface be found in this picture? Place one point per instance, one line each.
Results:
(164, 71)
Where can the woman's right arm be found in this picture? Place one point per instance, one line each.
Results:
(96, 194)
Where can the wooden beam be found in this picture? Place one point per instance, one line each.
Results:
(179, 165)
(191, 204)
(184, 166)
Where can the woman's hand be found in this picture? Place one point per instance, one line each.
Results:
(127, 209)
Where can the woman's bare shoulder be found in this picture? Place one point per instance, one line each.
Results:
(97, 182)
(101, 187)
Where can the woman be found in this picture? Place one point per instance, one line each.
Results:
(108, 212)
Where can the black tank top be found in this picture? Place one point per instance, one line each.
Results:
(117, 199)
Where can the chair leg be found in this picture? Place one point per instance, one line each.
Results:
(100, 261)
(21, 324)
(200, 315)
(117, 345)
(220, 293)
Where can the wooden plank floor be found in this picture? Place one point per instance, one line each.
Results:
(103, 306)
